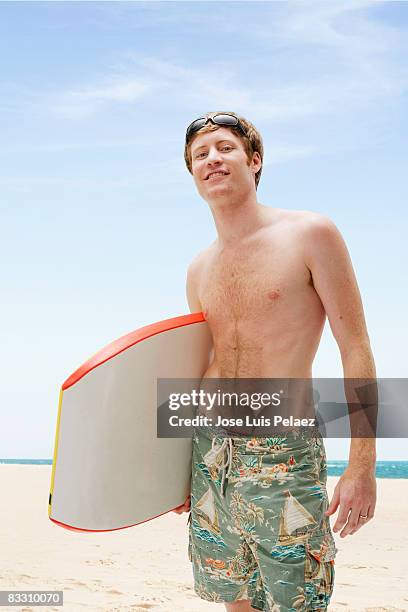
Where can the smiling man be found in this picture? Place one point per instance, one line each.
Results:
(259, 538)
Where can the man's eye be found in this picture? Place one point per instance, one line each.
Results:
(200, 154)
(227, 147)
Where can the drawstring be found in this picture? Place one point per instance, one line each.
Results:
(226, 466)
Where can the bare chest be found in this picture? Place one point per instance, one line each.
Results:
(252, 283)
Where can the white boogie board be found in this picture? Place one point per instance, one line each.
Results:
(110, 470)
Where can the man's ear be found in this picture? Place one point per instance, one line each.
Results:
(256, 161)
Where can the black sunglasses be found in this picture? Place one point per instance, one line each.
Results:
(218, 119)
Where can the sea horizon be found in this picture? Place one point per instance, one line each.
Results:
(335, 467)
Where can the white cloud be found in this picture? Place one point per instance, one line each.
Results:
(87, 100)
(314, 58)
(343, 61)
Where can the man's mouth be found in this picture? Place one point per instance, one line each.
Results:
(216, 173)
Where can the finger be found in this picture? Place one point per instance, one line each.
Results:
(353, 522)
(332, 507)
(370, 512)
(362, 520)
(342, 517)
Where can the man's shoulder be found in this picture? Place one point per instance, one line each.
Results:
(308, 218)
(196, 265)
(317, 236)
(307, 231)
(310, 225)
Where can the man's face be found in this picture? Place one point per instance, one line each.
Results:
(220, 165)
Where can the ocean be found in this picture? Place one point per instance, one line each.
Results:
(384, 469)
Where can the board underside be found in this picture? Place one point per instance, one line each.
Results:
(110, 469)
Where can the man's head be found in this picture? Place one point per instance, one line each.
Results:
(204, 148)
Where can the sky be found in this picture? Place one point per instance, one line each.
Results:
(99, 215)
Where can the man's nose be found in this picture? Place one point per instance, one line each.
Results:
(214, 155)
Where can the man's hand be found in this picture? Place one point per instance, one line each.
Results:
(184, 507)
(355, 493)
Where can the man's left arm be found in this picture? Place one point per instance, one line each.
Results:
(328, 260)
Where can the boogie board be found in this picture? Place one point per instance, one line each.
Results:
(110, 470)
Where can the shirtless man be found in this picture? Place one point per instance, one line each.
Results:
(265, 287)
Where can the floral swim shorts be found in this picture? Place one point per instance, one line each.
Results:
(257, 528)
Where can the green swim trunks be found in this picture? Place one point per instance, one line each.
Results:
(257, 528)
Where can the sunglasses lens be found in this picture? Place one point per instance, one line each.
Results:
(195, 126)
(225, 119)
(219, 119)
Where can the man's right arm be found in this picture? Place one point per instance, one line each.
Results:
(195, 306)
(192, 286)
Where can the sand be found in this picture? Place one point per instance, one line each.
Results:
(146, 567)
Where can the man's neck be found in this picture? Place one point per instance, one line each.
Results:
(235, 221)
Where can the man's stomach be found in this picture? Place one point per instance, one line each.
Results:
(234, 365)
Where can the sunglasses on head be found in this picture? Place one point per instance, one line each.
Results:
(218, 119)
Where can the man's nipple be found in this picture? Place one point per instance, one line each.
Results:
(274, 295)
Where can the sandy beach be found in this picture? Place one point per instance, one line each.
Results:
(146, 567)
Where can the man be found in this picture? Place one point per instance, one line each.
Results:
(265, 287)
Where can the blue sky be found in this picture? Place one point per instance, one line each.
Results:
(99, 215)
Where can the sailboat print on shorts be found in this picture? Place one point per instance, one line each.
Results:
(206, 513)
(294, 519)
